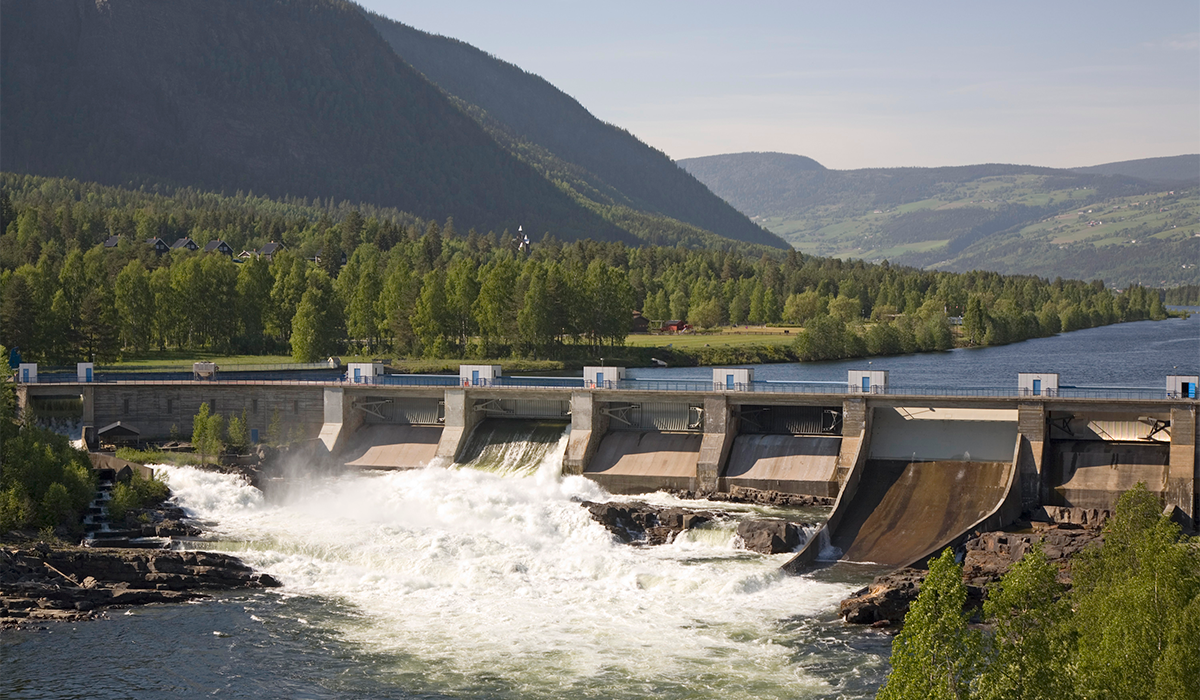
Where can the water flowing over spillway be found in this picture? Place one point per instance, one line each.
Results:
(514, 447)
(495, 582)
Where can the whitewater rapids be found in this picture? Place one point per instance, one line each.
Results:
(489, 584)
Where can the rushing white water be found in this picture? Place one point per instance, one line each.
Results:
(514, 447)
(70, 426)
(471, 583)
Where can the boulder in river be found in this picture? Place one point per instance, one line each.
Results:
(770, 536)
(641, 523)
(644, 524)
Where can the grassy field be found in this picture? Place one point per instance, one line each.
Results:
(1119, 220)
(725, 337)
(181, 360)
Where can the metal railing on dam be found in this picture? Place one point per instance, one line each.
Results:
(624, 385)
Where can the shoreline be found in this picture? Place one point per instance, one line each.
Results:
(40, 582)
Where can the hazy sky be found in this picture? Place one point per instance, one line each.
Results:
(860, 84)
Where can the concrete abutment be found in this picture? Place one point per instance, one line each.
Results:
(461, 418)
(589, 423)
(1182, 477)
(720, 429)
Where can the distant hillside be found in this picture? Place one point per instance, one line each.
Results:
(752, 182)
(606, 166)
(1008, 218)
(1170, 169)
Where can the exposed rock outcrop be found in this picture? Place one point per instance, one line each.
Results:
(988, 557)
(640, 523)
(991, 554)
(742, 494)
(40, 582)
(1061, 515)
(644, 524)
(885, 601)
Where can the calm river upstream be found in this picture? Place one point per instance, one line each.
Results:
(488, 580)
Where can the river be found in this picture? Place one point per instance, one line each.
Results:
(488, 580)
(1128, 355)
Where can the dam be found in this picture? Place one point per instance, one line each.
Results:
(912, 470)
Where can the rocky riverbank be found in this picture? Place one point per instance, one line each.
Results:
(988, 556)
(642, 524)
(40, 582)
(742, 494)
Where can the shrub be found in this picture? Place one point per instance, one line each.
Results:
(138, 492)
(45, 482)
(207, 432)
(155, 456)
(239, 436)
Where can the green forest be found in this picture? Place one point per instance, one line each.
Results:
(1183, 295)
(368, 281)
(1129, 627)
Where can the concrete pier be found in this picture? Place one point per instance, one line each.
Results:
(1031, 427)
(588, 425)
(720, 429)
(1183, 480)
(461, 418)
(340, 421)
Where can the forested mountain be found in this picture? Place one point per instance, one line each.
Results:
(288, 98)
(1172, 170)
(295, 97)
(602, 164)
(1010, 218)
(77, 278)
(761, 182)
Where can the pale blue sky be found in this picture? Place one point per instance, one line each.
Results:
(861, 84)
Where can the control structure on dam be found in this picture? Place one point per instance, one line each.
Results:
(912, 471)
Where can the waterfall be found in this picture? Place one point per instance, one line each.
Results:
(515, 447)
(827, 552)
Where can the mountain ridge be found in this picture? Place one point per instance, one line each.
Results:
(612, 167)
(1166, 169)
(287, 98)
(1007, 218)
(252, 97)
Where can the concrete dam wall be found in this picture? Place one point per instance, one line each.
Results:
(907, 433)
(930, 475)
(905, 511)
(887, 458)
(392, 446)
(631, 461)
(787, 463)
(1091, 474)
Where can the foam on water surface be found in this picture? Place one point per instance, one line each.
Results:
(458, 575)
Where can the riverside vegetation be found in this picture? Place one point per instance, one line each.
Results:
(47, 484)
(1128, 628)
(418, 288)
